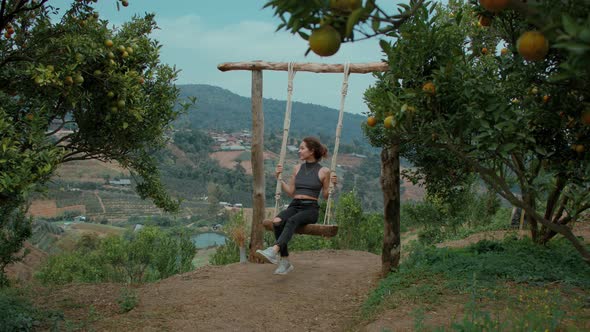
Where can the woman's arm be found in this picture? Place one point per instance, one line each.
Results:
(325, 178)
(288, 188)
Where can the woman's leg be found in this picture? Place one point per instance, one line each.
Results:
(279, 223)
(308, 215)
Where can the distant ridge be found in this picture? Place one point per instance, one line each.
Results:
(221, 109)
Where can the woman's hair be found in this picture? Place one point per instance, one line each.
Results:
(320, 151)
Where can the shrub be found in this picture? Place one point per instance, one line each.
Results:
(226, 254)
(147, 255)
(484, 264)
(127, 300)
(15, 227)
(16, 313)
(456, 217)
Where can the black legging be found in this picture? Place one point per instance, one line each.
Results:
(300, 212)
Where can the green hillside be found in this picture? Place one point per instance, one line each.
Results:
(221, 109)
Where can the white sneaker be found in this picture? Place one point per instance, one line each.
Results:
(284, 267)
(269, 254)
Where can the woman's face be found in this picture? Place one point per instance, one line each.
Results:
(304, 152)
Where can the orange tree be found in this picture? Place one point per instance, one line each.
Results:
(516, 116)
(75, 89)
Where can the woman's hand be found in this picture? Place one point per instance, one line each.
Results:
(278, 171)
(334, 178)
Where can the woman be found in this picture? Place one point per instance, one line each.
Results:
(308, 179)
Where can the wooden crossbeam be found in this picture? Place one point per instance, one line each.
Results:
(357, 68)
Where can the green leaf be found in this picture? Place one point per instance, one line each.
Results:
(574, 47)
(385, 46)
(353, 19)
(376, 23)
(303, 35)
(509, 147)
(569, 25)
(541, 150)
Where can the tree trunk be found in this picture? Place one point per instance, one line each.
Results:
(390, 182)
(551, 205)
(257, 234)
(529, 200)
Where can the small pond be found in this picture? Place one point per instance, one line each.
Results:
(209, 239)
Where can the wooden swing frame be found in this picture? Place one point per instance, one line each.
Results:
(257, 147)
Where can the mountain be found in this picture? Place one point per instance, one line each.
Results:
(220, 109)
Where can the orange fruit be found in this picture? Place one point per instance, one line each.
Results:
(371, 121)
(388, 122)
(546, 99)
(79, 79)
(324, 41)
(68, 80)
(586, 118)
(504, 51)
(484, 50)
(579, 148)
(494, 6)
(532, 45)
(485, 21)
(429, 88)
(108, 43)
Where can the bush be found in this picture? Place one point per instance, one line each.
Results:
(127, 300)
(484, 264)
(147, 255)
(16, 312)
(226, 254)
(456, 217)
(15, 228)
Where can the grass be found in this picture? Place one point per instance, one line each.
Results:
(534, 285)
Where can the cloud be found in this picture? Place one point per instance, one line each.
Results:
(196, 48)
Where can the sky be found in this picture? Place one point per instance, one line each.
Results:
(197, 35)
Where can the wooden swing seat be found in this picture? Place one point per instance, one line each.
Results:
(309, 229)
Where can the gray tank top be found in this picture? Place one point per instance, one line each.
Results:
(307, 180)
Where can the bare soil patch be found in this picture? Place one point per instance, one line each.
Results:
(181, 157)
(48, 208)
(227, 159)
(90, 171)
(323, 293)
(24, 270)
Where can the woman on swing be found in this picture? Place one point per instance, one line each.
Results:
(308, 179)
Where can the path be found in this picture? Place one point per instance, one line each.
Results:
(100, 201)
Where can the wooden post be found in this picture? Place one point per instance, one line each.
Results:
(258, 204)
(390, 182)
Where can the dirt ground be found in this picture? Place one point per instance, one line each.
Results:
(323, 293)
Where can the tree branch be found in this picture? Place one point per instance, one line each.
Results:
(554, 196)
(503, 189)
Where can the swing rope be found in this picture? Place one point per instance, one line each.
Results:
(286, 126)
(328, 214)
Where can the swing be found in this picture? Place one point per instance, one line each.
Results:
(327, 229)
